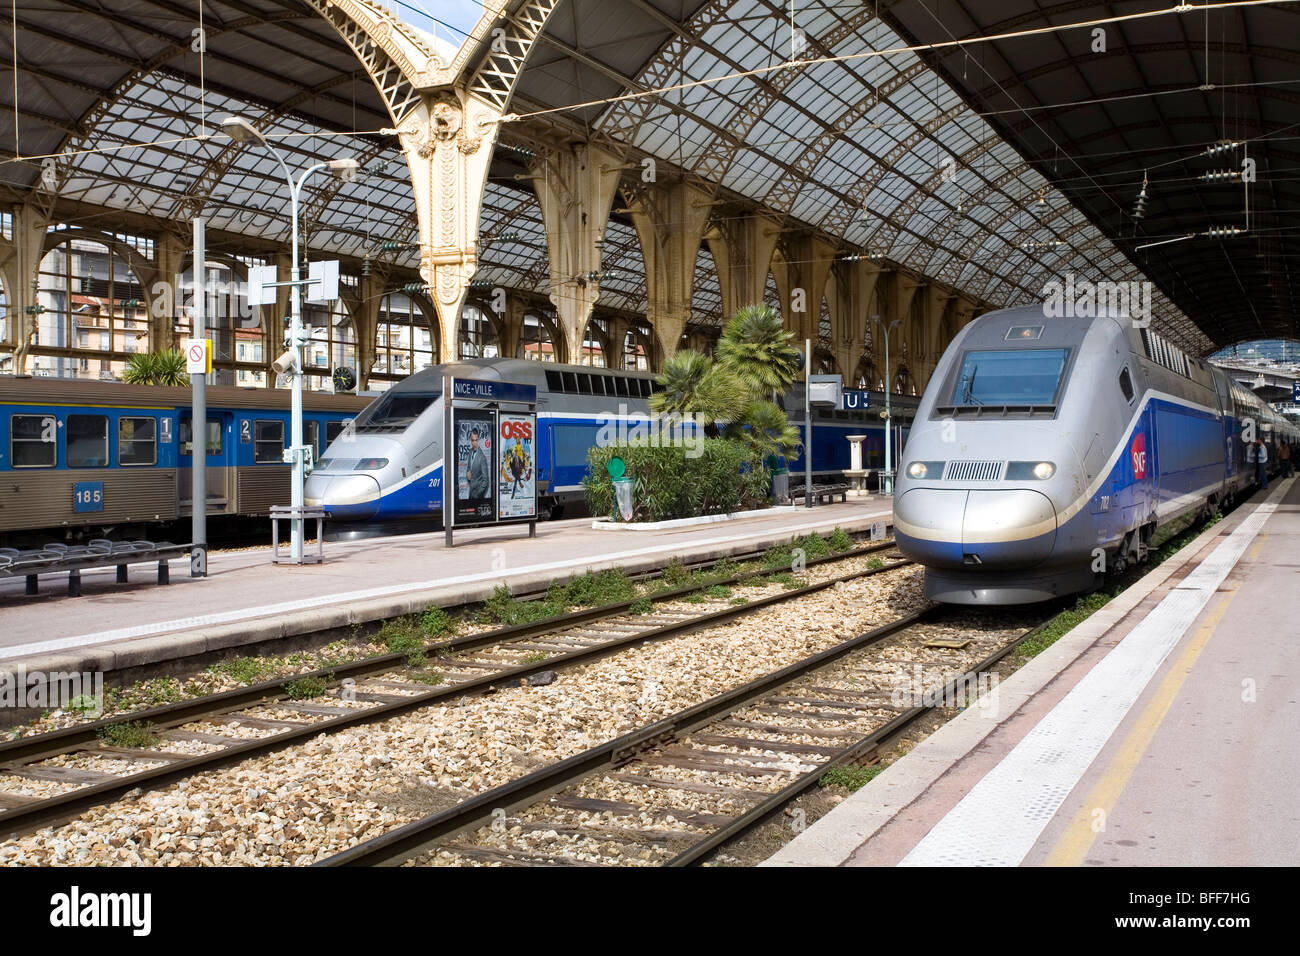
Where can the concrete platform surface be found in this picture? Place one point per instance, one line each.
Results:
(245, 599)
(1159, 732)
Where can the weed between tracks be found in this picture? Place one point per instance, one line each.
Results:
(413, 634)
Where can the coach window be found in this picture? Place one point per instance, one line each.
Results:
(137, 441)
(214, 437)
(33, 441)
(1126, 384)
(334, 429)
(87, 438)
(311, 436)
(268, 442)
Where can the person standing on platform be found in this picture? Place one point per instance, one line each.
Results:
(1257, 455)
(1284, 459)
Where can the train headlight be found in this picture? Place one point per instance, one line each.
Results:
(1030, 470)
(925, 469)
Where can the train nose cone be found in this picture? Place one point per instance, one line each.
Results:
(349, 497)
(993, 529)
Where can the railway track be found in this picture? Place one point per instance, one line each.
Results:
(216, 730)
(671, 793)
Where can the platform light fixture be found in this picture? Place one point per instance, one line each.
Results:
(241, 130)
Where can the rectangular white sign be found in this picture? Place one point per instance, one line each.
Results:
(324, 284)
(261, 285)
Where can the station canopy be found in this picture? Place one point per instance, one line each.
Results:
(880, 152)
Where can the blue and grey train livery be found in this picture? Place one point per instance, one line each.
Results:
(389, 466)
(82, 459)
(1048, 451)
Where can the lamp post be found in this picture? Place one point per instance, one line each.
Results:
(887, 480)
(241, 130)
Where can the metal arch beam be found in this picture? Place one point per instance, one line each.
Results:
(717, 159)
(388, 49)
(321, 196)
(495, 76)
(843, 214)
(1010, 245)
(807, 161)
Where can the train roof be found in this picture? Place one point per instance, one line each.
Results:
(16, 390)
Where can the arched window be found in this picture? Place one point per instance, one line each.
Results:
(333, 343)
(93, 315)
(535, 340)
(7, 329)
(478, 336)
(594, 345)
(404, 340)
(636, 350)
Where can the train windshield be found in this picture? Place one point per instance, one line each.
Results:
(397, 409)
(1009, 377)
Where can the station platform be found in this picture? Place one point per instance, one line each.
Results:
(1159, 732)
(246, 600)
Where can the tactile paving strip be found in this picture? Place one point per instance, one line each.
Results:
(998, 822)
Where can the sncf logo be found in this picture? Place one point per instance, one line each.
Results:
(1138, 451)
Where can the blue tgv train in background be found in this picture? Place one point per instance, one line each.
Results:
(1041, 445)
(83, 459)
(388, 467)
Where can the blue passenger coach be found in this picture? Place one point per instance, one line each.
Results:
(83, 459)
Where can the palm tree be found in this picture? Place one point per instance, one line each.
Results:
(766, 430)
(156, 368)
(141, 369)
(171, 368)
(756, 347)
(691, 384)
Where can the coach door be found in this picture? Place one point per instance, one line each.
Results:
(220, 460)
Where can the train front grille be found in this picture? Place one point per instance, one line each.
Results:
(973, 471)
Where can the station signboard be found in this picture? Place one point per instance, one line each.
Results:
(494, 453)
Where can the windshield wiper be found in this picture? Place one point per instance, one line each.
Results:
(968, 387)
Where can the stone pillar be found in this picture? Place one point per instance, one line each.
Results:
(855, 472)
(448, 140)
(365, 311)
(20, 263)
(172, 250)
(807, 265)
(849, 300)
(510, 326)
(937, 301)
(898, 305)
(575, 187)
(742, 247)
(670, 219)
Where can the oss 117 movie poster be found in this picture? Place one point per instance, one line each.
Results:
(516, 466)
(475, 452)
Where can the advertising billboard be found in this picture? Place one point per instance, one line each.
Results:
(516, 465)
(474, 431)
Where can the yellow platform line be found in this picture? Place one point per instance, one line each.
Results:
(1074, 844)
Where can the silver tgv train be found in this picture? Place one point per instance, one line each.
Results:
(1045, 451)
(388, 467)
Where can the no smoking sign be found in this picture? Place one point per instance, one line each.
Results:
(198, 356)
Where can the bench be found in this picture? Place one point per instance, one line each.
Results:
(823, 493)
(100, 553)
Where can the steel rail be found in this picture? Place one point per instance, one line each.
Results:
(402, 843)
(56, 742)
(755, 815)
(42, 811)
